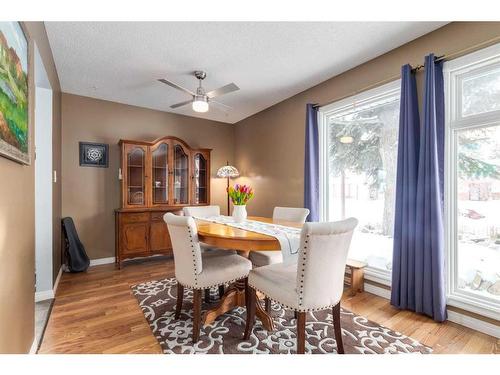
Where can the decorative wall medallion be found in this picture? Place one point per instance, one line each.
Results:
(93, 154)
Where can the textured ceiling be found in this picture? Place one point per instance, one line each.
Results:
(121, 61)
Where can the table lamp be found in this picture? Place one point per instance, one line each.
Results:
(227, 171)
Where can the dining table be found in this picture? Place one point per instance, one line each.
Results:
(244, 241)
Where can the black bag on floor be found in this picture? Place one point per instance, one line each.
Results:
(76, 256)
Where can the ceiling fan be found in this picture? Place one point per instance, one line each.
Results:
(200, 99)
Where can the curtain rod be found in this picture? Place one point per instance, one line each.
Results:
(446, 57)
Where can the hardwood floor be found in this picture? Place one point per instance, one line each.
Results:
(96, 312)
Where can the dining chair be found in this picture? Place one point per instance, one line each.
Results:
(197, 270)
(201, 212)
(264, 258)
(291, 214)
(315, 283)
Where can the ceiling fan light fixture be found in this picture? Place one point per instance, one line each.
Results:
(200, 103)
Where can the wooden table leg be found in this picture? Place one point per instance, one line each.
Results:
(234, 297)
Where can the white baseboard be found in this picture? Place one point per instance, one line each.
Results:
(453, 316)
(44, 295)
(49, 294)
(58, 278)
(34, 346)
(378, 291)
(100, 261)
(473, 323)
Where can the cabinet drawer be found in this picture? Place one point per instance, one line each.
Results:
(157, 216)
(138, 217)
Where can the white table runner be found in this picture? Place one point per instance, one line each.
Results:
(288, 237)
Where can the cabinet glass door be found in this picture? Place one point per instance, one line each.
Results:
(200, 179)
(181, 175)
(136, 160)
(160, 174)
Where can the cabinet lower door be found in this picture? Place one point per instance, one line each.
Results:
(135, 238)
(159, 238)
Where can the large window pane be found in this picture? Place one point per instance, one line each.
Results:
(481, 93)
(362, 166)
(478, 209)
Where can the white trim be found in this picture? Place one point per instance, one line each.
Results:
(34, 346)
(58, 278)
(474, 303)
(100, 261)
(49, 294)
(44, 295)
(43, 177)
(378, 291)
(365, 97)
(453, 316)
(325, 112)
(379, 276)
(473, 323)
(323, 165)
(454, 72)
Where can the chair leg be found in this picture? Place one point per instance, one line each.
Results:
(221, 291)
(301, 332)
(267, 302)
(250, 301)
(207, 295)
(337, 328)
(180, 297)
(196, 314)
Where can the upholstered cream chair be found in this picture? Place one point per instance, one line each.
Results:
(315, 283)
(196, 270)
(264, 258)
(290, 214)
(202, 211)
(207, 211)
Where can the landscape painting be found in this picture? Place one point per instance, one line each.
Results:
(14, 130)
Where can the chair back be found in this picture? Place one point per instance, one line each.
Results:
(322, 260)
(201, 211)
(187, 253)
(292, 214)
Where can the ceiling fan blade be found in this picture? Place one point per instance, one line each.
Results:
(181, 104)
(176, 86)
(223, 90)
(221, 106)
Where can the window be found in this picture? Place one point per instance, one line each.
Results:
(358, 141)
(473, 181)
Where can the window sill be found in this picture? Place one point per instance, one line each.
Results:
(378, 275)
(476, 306)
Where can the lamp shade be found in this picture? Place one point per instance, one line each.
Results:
(227, 171)
(200, 104)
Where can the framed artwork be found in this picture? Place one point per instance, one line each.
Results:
(93, 154)
(14, 110)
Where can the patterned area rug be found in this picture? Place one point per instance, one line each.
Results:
(157, 301)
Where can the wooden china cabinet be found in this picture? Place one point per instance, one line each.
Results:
(156, 177)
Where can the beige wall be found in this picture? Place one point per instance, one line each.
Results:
(270, 145)
(90, 195)
(17, 219)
